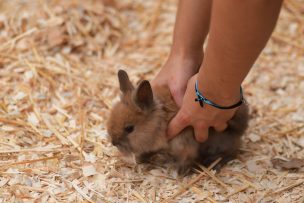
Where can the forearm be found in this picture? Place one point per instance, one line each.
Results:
(238, 33)
(191, 26)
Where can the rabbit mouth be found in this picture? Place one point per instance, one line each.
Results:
(124, 149)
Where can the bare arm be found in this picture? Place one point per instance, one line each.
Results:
(238, 33)
(190, 31)
(191, 27)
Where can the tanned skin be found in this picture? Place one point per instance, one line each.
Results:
(238, 32)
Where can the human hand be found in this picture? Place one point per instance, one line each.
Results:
(175, 74)
(201, 119)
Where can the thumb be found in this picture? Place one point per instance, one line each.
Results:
(177, 124)
(178, 96)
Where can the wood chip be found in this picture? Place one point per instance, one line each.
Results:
(58, 79)
(288, 164)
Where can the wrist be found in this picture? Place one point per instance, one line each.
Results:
(219, 92)
(187, 55)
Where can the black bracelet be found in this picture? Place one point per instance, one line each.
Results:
(201, 99)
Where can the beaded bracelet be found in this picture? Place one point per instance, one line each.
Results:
(201, 99)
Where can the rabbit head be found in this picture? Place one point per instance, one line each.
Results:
(136, 123)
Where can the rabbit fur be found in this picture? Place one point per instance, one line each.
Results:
(137, 124)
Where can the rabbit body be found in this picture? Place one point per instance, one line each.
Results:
(138, 123)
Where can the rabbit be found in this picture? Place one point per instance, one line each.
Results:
(137, 125)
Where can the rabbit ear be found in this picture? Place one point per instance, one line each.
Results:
(124, 81)
(143, 95)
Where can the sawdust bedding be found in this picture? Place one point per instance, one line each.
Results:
(58, 65)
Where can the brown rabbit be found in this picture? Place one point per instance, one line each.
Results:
(138, 123)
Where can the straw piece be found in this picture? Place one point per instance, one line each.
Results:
(199, 192)
(213, 177)
(288, 187)
(29, 161)
(32, 188)
(59, 62)
(62, 139)
(193, 181)
(36, 149)
(244, 187)
(139, 196)
(80, 191)
(13, 41)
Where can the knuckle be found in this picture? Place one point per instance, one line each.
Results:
(184, 117)
(202, 125)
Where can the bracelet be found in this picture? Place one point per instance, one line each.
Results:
(201, 99)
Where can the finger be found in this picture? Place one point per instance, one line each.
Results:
(201, 132)
(177, 124)
(220, 127)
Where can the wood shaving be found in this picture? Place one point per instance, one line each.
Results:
(58, 66)
(288, 164)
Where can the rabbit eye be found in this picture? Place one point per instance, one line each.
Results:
(128, 129)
